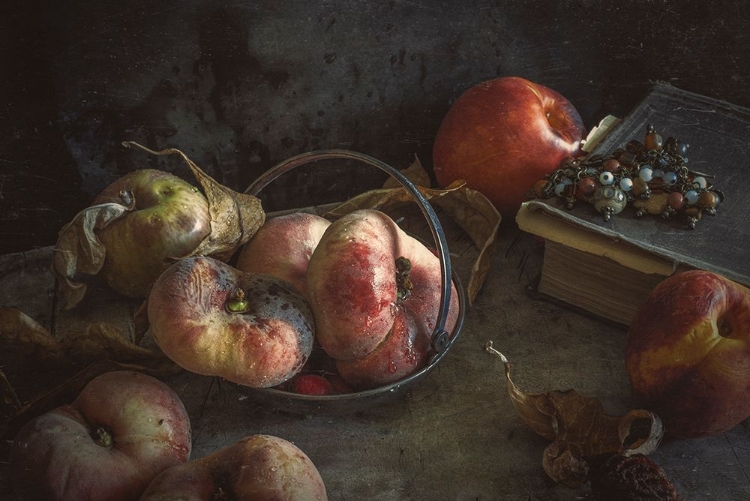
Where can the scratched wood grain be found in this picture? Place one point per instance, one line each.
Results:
(455, 435)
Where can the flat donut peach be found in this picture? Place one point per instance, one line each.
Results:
(282, 247)
(376, 293)
(213, 319)
(257, 467)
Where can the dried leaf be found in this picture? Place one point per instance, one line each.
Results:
(476, 215)
(383, 198)
(140, 322)
(235, 217)
(78, 249)
(102, 341)
(24, 340)
(28, 350)
(480, 220)
(579, 428)
(414, 173)
(10, 404)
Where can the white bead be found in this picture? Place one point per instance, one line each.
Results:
(646, 174)
(626, 184)
(670, 178)
(606, 177)
(591, 171)
(700, 182)
(691, 197)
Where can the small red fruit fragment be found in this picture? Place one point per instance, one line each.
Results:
(311, 384)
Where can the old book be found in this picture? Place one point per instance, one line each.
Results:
(608, 267)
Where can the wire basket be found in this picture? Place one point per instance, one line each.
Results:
(441, 340)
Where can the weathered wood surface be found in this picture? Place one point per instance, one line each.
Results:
(455, 435)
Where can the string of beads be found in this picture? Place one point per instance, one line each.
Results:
(651, 175)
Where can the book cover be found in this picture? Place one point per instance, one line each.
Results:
(718, 134)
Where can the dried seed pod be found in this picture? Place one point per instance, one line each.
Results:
(629, 478)
(579, 428)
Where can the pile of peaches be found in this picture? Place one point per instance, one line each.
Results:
(295, 301)
(358, 294)
(298, 303)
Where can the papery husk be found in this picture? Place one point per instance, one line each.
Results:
(579, 428)
(235, 217)
(471, 210)
(79, 251)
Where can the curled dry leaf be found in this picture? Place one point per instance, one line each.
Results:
(480, 220)
(102, 341)
(24, 340)
(235, 217)
(414, 173)
(580, 429)
(476, 215)
(78, 250)
(10, 403)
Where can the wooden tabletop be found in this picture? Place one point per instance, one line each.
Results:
(455, 434)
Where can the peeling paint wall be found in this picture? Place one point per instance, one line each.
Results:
(239, 86)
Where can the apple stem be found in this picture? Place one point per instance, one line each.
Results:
(126, 197)
(238, 303)
(103, 437)
(403, 282)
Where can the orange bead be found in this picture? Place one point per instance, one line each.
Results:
(708, 200)
(653, 140)
(542, 188)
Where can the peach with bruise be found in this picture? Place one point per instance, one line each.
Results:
(403, 352)
(213, 319)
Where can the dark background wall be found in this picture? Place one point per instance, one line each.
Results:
(242, 85)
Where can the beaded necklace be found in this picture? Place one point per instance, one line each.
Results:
(652, 175)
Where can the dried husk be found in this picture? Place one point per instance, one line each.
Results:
(235, 217)
(579, 428)
(79, 251)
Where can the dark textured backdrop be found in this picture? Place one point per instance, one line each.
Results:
(242, 85)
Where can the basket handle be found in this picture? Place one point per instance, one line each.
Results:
(440, 337)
